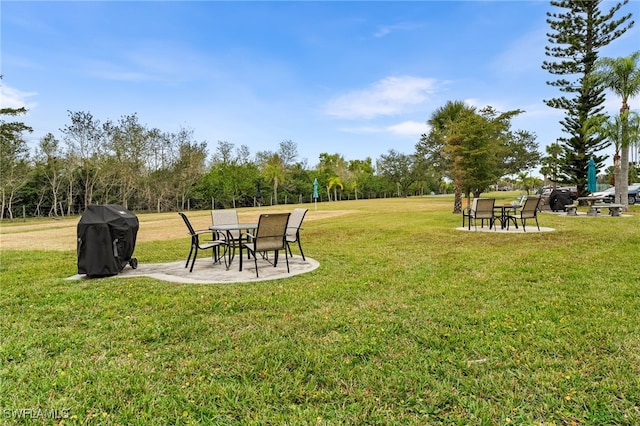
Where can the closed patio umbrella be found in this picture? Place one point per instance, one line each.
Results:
(591, 176)
(315, 192)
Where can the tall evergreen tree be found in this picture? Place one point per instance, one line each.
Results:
(577, 34)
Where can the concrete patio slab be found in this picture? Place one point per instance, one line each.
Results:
(207, 272)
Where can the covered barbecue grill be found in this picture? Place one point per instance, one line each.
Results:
(559, 198)
(106, 240)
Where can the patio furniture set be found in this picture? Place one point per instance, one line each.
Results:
(274, 232)
(486, 209)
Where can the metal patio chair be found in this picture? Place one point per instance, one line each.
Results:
(529, 211)
(197, 245)
(293, 229)
(226, 217)
(269, 236)
(481, 209)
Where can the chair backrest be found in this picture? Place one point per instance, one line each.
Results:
(226, 217)
(186, 222)
(530, 208)
(484, 208)
(271, 232)
(295, 221)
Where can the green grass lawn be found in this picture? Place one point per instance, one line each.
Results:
(407, 321)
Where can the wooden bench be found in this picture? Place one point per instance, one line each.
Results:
(572, 209)
(614, 209)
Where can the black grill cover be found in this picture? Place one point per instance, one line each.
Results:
(106, 239)
(558, 199)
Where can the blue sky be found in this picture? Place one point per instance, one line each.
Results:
(355, 78)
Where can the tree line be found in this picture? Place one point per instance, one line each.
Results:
(119, 162)
(147, 169)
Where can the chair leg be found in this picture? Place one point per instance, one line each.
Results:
(301, 252)
(255, 262)
(468, 222)
(218, 251)
(193, 262)
(287, 260)
(215, 253)
(189, 257)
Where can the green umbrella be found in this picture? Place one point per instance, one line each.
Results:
(315, 192)
(591, 176)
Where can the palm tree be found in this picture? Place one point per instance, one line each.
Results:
(525, 181)
(441, 121)
(334, 183)
(611, 129)
(274, 172)
(622, 77)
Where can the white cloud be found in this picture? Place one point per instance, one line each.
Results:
(14, 98)
(406, 128)
(409, 128)
(474, 102)
(362, 129)
(385, 30)
(389, 96)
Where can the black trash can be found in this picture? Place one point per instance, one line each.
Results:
(559, 198)
(106, 240)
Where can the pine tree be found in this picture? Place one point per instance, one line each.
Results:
(578, 32)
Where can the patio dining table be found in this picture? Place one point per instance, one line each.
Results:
(232, 242)
(591, 200)
(505, 216)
